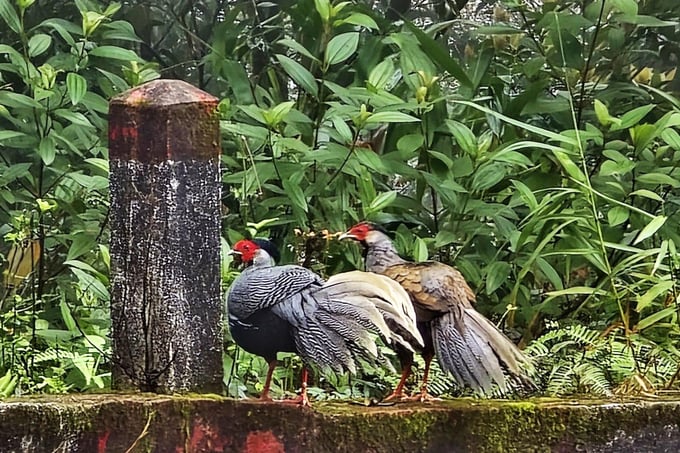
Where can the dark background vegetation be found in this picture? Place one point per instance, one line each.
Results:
(532, 144)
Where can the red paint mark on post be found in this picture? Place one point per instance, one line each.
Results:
(263, 442)
(123, 132)
(102, 441)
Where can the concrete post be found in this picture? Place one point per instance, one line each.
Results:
(166, 310)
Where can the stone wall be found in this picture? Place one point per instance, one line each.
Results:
(149, 423)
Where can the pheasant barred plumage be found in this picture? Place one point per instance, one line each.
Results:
(330, 324)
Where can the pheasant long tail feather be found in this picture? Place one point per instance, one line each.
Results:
(334, 328)
(390, 299)
(476, 353)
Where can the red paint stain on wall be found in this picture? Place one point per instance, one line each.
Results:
(263, 442)
(204, 439)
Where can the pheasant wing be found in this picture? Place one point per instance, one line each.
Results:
(434, 287)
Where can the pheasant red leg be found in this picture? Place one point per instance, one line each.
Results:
(398, 393)
(423, 396)
(301, 399)
(264, 396)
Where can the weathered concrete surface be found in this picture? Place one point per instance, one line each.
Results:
(166, 305)
(141, 423)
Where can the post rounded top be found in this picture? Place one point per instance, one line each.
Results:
(163, 92)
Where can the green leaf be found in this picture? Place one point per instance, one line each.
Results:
(488, 176)
(115, 53)
(65, 29)
(526, 193)
(359, 19)
(671, 137)
(8, 135)
(94, 102)
(82, 243)
(627, 7)
(9, 15)
(47, 150)
(464, 136)
(648, 21)
(279, 111)
(67, 316)
(655, 291)
(323, 7)
(496, 274)
(299, 74)
(511, 157)
(296, 195)
(297, 47)
(38, 44)
(410, 143)
(74, 117)
(76, 85)
(382, 201)
(602, 113)
(647, 194)
(18, 100)
(651, 228)
(88, 282)
(341, 47)
(497, 30)
(529, 127)
(445, 237)
(391, 117)
(656, 317)
(120, 30)
(617, 215)
(633, 117)
(439, 55)
(342, 129)
(569, 166)
(587, 290)
(420, 252)
(549, 272)
(237, 77)
(446, 160)
(382, 74)
(97, 162)
(7, 384)
(657, 179)
(371, 160)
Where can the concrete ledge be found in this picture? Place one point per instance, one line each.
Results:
(141, 423)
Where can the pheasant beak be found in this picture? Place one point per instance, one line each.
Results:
(346, 235)
(234, 252)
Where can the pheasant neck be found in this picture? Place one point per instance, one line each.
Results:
(381, 256)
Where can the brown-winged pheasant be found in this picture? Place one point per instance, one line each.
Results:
(467, 345)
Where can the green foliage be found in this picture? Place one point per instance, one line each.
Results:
(55, 79)
(549, 180)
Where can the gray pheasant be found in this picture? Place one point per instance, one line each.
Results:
(331, 324)
(467, 345)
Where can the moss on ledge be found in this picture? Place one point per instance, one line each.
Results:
(208, 423)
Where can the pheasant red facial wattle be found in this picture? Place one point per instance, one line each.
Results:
(247, 249)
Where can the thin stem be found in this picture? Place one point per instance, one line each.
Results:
(586, 68)
(590, 194)
(349, 154)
